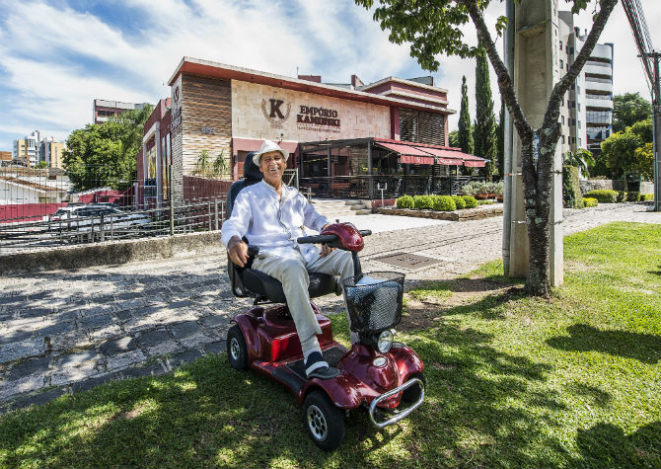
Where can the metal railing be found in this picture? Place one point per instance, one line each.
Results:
(191, 217)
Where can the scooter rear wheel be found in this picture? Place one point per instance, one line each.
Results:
(325, 421)
(237, 352)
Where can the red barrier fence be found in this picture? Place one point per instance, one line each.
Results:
(27, 212)
(196, 188)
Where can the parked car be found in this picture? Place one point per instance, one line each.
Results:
(96, 221)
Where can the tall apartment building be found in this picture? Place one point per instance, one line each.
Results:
(586, 114)
(104, 109)
(31, 150)
(26, 149)
(599, 96)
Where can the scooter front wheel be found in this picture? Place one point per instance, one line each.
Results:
(325, 421)
(237, 352)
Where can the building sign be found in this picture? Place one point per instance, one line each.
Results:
(273, 112)
(318, 116)
(208, 130)
(261, 111)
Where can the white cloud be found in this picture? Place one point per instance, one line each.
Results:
(55, 59)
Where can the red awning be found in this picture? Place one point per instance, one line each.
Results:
(254, 144)
(420, 153)
(406, 159)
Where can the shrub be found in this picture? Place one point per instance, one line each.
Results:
(621, 196)
(571, 188)
(459, 202)
(405, 201)
(633, 196)
(471, 202)
(423, 202)
(473, 188)
(444, 203)
(604, 196)
(644, 197)
(590, 202)
(485, 202)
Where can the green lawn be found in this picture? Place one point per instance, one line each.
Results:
(511, 382)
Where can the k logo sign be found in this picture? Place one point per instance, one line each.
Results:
(273, 111)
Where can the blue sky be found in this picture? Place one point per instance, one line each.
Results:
(57, 56)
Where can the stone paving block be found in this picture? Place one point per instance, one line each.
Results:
(35, 312)
(15, 335)
(36, 399)
(197, 340)
(185, 329)
(162, 348)
(129, 305)
(56, 329)
(72, 374)
(90, 383)
(220, 346)
(20, 386)
(123, 360)
(77, 359)
(122, 345)
(153, 338)
(182, 358)
(124, 316)
(216, 320)
(68, 341)
(96, 309)
(21, 350)
(96, 322)
(107, 332)
(30, 367)
(138, 372)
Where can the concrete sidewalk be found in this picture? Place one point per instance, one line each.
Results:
(67, 331)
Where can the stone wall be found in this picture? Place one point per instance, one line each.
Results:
(112, 253)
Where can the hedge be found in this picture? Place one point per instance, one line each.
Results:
(471, 202)
(423, 202)
(405, 201)
(645, 197)
(590, 202)
(444, 203)
(459, 201)
(604, 196)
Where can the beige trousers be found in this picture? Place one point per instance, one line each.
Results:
(293, 274)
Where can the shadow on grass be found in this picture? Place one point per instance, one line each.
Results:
(606, 445)
(642, 347)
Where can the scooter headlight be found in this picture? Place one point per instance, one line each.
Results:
(385, 341)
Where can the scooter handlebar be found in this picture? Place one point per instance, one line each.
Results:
(324, 239)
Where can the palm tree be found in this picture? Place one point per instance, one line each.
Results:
(220, 166)
(204, 162)
(581, 159)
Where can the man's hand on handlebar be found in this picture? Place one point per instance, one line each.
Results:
(238, 251)
(326, 250)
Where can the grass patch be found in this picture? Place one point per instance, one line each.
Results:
(511, 382)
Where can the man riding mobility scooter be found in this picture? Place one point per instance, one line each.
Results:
(377, 373)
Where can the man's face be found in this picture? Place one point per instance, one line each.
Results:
(272, 165)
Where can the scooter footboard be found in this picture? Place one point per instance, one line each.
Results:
(399, 413)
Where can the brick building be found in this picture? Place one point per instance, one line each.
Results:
(342, 137)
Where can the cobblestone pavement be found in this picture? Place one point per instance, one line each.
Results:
(67, 331)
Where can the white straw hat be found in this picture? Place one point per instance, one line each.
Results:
(268, 146)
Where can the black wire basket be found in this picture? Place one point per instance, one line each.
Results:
(374, 301)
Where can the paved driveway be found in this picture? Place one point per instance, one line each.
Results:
(64, 332)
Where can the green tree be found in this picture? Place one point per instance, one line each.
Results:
(484, 133)
(220, 165)
(454, 139)
(42, 165)
(204, 163)
(435, 27)
(619, 151)
(581, 159)
(645, 160)
(106, 154)
(465, 141)
(628, 109)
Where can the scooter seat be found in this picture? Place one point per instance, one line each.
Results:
(271, 289)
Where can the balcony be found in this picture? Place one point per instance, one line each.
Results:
(600, 69)
(599, 103)
(603, 51)
(596, 86)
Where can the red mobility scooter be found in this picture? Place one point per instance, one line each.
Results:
(383, 376)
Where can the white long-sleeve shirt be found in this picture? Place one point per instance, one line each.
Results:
(273, 225)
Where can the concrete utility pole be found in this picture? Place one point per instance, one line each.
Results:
(531, 55)
(656, 104)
